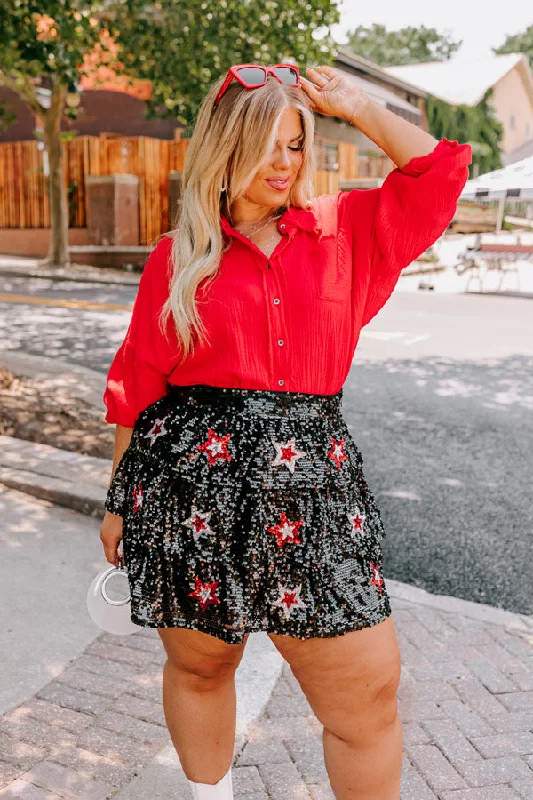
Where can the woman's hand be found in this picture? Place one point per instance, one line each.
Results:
(334, 93)
(111, 535)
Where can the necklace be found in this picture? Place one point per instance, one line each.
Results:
(266, 243)
(254, 228)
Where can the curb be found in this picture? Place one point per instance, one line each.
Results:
(465, 608)
(88, 500)
(77, 273)
(62, 477)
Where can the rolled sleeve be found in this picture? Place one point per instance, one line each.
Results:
(406, 215)
(416, 205)
(138, 373)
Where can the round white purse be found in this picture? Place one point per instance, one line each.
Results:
(109, 601)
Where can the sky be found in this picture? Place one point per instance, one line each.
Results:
(475, 22)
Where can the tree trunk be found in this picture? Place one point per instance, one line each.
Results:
(58, 252)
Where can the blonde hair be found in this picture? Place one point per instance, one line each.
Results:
(226, 147)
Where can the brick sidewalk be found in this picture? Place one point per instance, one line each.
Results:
(466, 705)
(465, 700)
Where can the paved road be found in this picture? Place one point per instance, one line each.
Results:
(439, 399)
(73, 332)
(442, 415)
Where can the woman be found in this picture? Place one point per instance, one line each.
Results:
(237, 487)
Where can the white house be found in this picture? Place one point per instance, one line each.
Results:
(465, 81)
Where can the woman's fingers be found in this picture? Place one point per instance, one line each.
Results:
(310, 90)
(329, 72)
(308, 85)
(317, 77)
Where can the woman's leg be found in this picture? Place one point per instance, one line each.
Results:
(350, 682)
(199, 700)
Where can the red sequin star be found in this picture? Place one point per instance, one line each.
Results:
(289, 598)
(157, 429)
(357, 520)
(216, 447)
(286, 531)
(199, 522)
(138, 497)
(376, 577)
(205, 593)
(287, 454)
(337, 453)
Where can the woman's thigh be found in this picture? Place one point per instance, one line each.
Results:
(350, 680)
(199, 653)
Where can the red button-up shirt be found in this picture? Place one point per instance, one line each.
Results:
(291, 321)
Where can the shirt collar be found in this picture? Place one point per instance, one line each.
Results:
(292, 220)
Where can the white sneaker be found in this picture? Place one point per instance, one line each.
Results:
(223, 790)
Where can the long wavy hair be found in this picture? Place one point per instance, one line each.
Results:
(226, 147)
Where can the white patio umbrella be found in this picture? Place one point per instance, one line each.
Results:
(514, 182)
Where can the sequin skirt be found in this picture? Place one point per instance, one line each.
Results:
(246, 510)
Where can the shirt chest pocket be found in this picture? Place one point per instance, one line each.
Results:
(331, 273)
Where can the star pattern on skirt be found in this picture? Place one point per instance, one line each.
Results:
(198, 522)
(157, 429)
(289, 598)
(216, 447)
(287, 454)
(138, 497)
(205, 593)
(286, 531)
(356, 520)
(337, 453)
(377, 580)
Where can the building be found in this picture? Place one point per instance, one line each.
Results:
(396, 94)
(103, 111)
(465, 81)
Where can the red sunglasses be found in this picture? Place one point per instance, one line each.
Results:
(252, 76)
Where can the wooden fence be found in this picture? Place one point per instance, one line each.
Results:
(373, 164)
(23, 183)
(23, 186)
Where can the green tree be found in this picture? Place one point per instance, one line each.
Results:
(185, 46)
(477, 125)
(404, 46)
(518, 43)
(40, 56)
(180, 47)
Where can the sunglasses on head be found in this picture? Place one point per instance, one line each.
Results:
(252, 76)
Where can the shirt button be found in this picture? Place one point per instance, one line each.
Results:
(280, 342)
(281, 381)
(276, 301)
(268, 266)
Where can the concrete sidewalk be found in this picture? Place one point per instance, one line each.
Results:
(17, 267)
(465, 700)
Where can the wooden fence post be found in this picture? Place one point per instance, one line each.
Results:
(174, 196)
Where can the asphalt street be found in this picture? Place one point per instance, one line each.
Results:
(438, 400)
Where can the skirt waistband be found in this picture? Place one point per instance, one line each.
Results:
(259, 401)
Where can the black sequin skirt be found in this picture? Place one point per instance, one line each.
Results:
(247, 510)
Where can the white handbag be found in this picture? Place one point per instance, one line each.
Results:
(109, 601)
